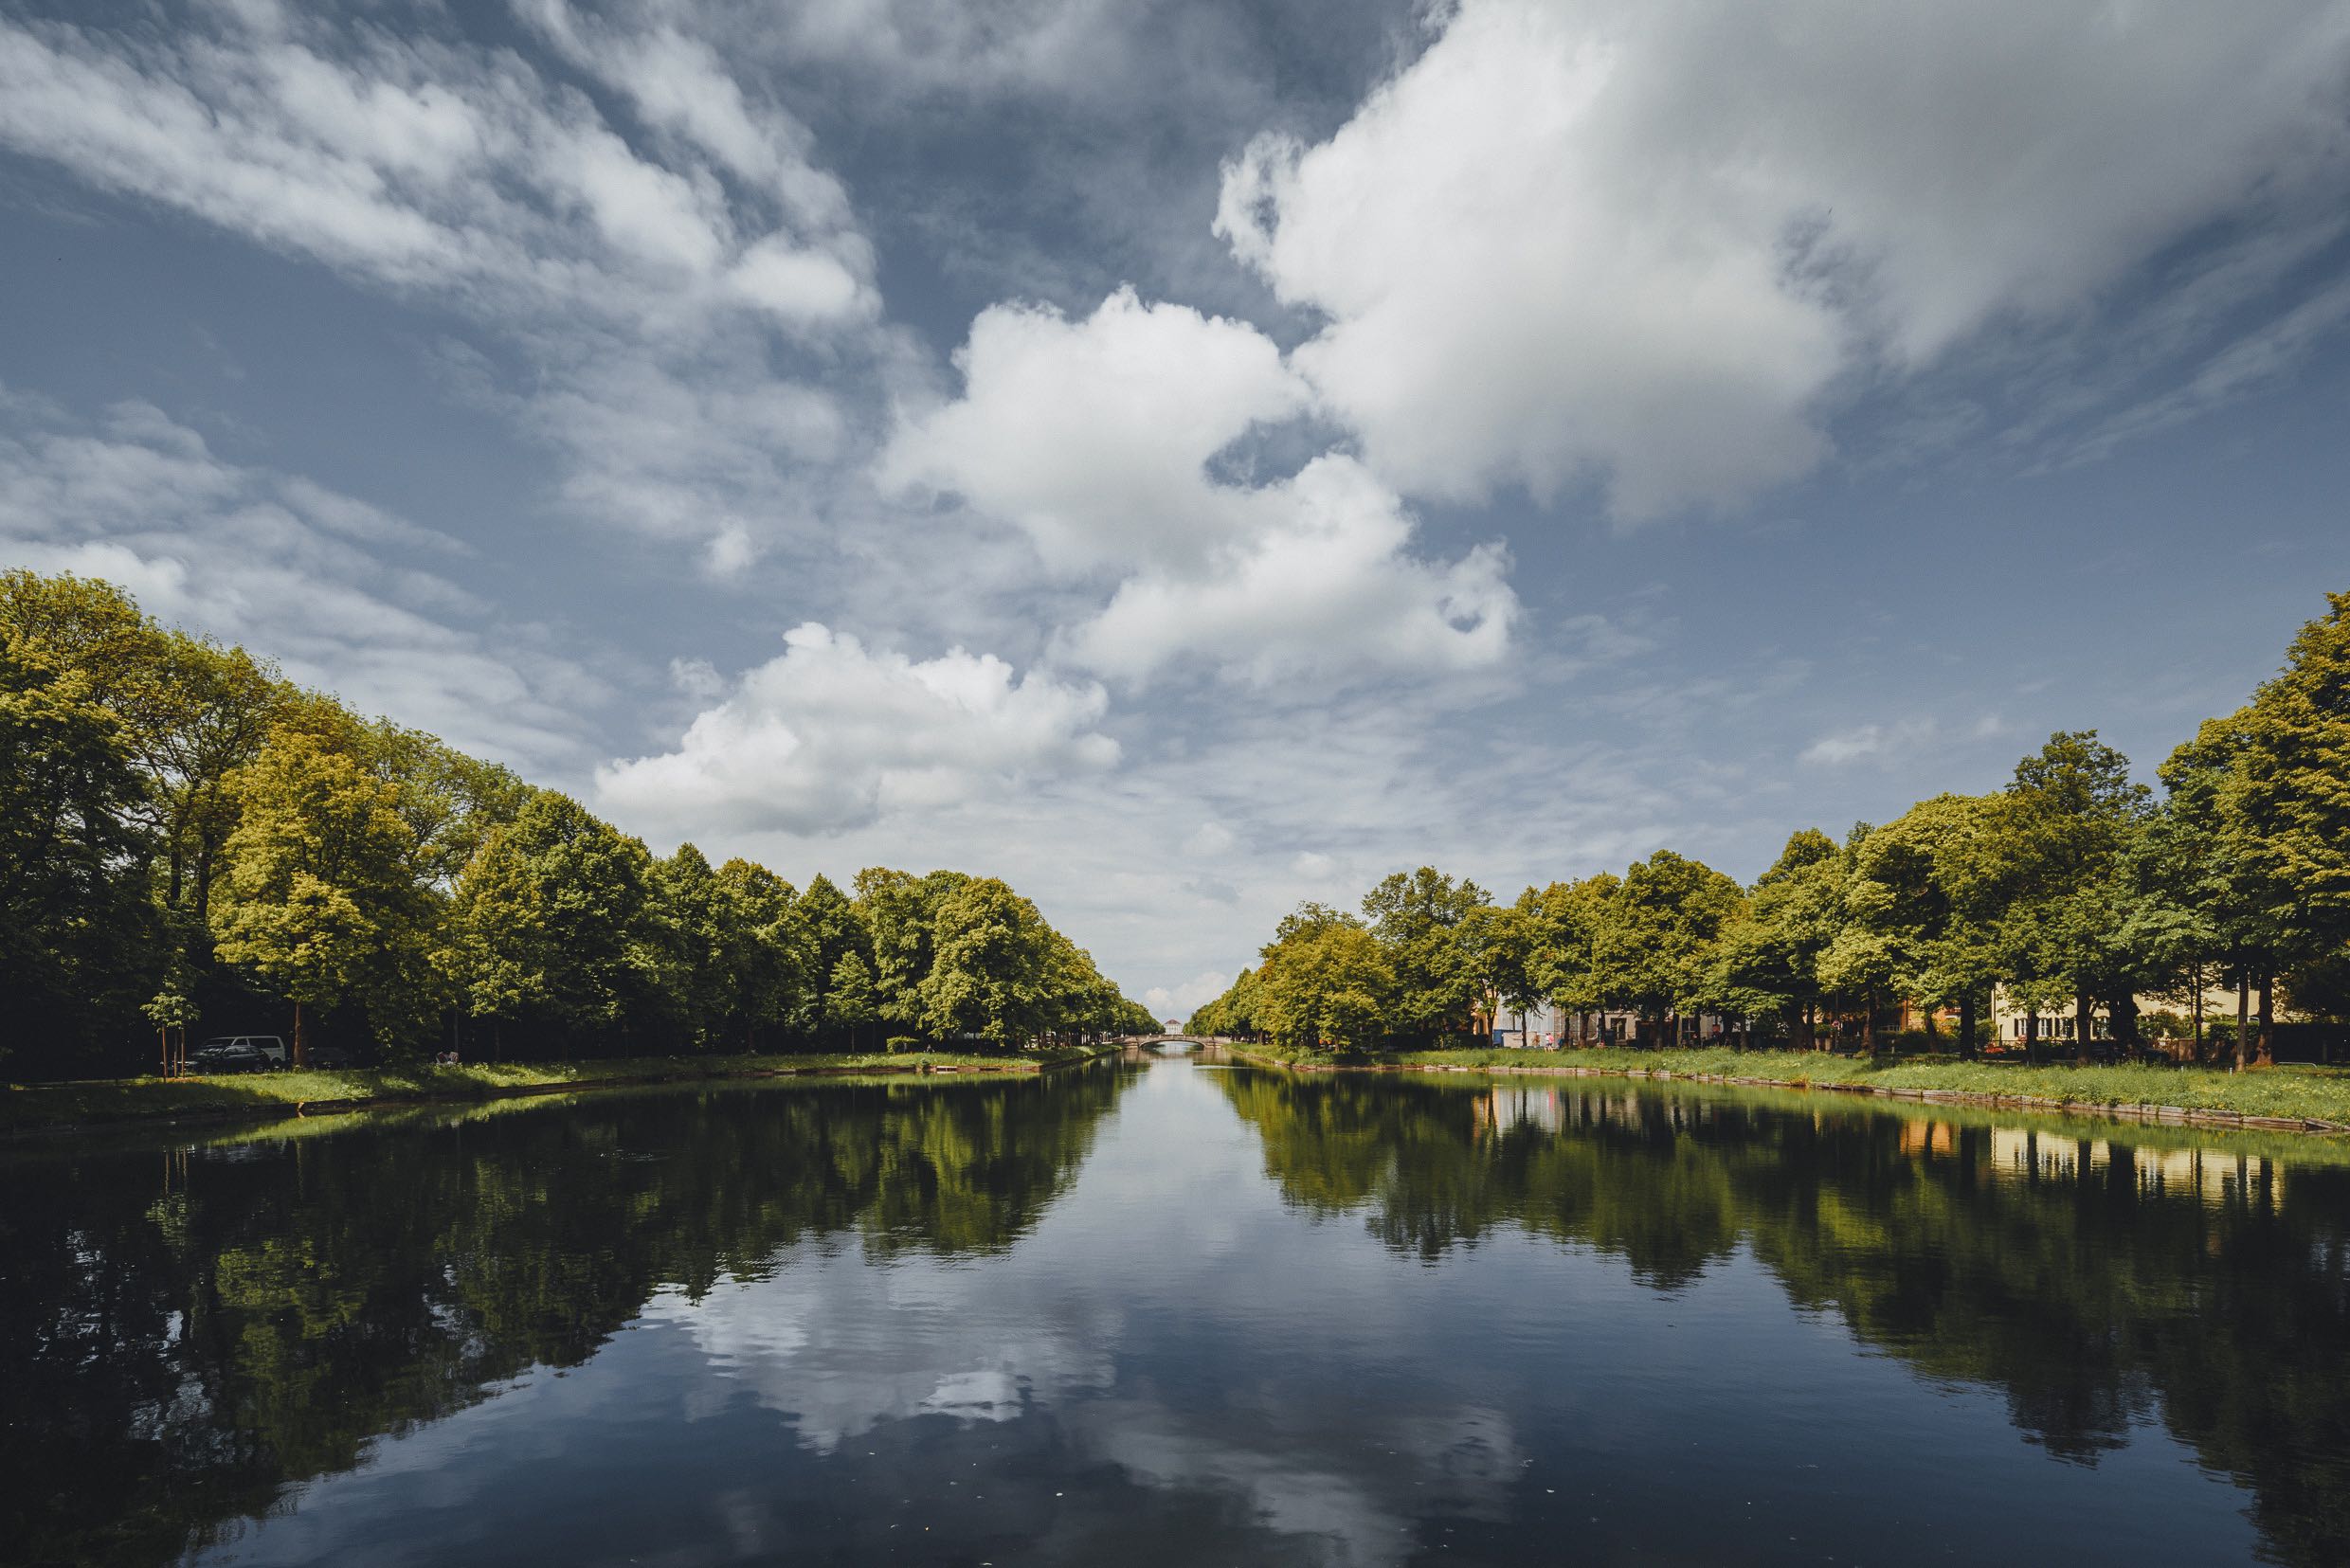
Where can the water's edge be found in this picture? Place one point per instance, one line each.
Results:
(2169, 1115)
(298, 1110)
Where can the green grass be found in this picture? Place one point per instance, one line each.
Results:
(32, 1106)
(2296, 1092)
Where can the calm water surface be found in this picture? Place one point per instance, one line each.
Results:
(1177, 1313)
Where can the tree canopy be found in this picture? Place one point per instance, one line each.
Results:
(187, 838)
(2076, 888)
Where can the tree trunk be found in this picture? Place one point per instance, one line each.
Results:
(301, 1038)
(2031, 1033)
(2243, 1018)
(1966, 1025)
(2080, 1027)
(1869, 1024)
(2195, 978)
(2268, 1020)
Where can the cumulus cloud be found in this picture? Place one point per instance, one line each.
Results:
(1641, 242)
(1326, 585)
(829, 736)
(1100, 439)
(319, 581)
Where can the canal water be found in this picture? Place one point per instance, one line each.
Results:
(1178, 1312)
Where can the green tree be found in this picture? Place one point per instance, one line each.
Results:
(1329, 984)
(832, 927)
(1420, 919)
(77, 931)
(899, 912)
(1569, 917)
(850, 999)
(2071, 823)
(2284, 802)
(772, 957)
(190, 714)
(1915, 899)
(554, 924)
(702, 978)
(991, 972)
(1232, 1016)
(1654, 948)
(1504, 943)
(1768, 959)
(321, 899)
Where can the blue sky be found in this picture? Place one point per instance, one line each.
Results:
(1189, 459)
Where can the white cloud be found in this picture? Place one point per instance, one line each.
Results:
(423, 165)
(659, 275)
(1208, 840)
(1094, 435)
(1641, 241)
(1097, 439)
(296, 572)
(961, 45)
(829, 736)
(1870, 741)
(1179, 1001)
(1324, 587)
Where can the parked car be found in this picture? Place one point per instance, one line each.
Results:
(269, 1047)
(329, 1057)
(228, 1055)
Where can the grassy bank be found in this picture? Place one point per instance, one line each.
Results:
(39, 1107)
(2299, 1094)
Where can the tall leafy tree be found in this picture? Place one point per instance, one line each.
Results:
(833, 929)
(190, 713)
(1922, 923)
(770, 953)
(2287, 796)
(2071, 822)
(1569, 918)
(321, 898)
(702, 978)
(555, 925)
(1652, 950)
(851, 1000)
(1768, 959)
(991, 973)
(1420, 919)
(1504, 943)
(1328, 984)
(899, 912)
(77, 930)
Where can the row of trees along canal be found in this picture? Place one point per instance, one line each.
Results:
(184, 835)
(2074, 887)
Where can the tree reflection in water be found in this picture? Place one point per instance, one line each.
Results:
(185, 1332)
(2094, 1273)
(188, 1335)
